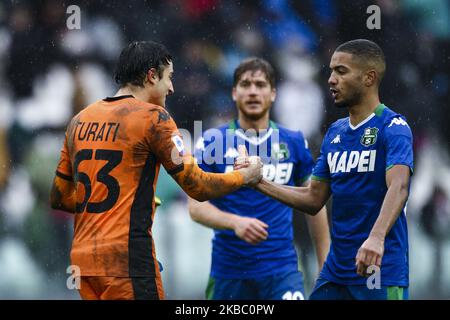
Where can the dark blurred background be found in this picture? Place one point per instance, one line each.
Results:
(49, 72)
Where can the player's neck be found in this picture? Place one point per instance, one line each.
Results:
(364, 109)
(137, 92)
(259, 124)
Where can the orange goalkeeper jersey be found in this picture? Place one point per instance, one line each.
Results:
(113, 152)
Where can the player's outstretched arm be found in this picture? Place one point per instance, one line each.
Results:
(62, 196)
(202, 186)
(166, 143)
(372, 250)
(306, 199)
(248, 229)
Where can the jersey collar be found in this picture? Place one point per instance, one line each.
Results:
(110, 99)
(234, 125)
(377, 112)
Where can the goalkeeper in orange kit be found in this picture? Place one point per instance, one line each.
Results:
(108, 172)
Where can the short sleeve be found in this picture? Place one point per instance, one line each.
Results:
(321, 171)
(398, 142)
(305, 163)
(166, 142)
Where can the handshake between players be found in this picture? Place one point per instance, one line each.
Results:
(250, 166)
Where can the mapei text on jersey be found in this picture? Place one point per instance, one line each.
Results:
(359, 161)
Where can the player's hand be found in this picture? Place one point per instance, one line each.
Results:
(243, 160)
(250, 230)
(250, 167)
(370, 253)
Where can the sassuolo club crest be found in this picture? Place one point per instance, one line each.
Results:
(369, 137)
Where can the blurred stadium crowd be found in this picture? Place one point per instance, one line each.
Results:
(48, 73)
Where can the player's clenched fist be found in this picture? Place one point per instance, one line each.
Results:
(250, 167)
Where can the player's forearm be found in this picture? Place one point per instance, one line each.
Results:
(62, 196)
(203, 186)
(295, 197)
(393, 203)
(210, 216)
(320, 233)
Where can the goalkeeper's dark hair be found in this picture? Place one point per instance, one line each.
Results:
(137, 58)
(254, 64)
(368, 52)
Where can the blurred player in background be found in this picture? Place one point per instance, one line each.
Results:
(108, 172)
(253, 254)
(366, 162)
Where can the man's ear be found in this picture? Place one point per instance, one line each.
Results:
(233, 94)
(370, 78)
(273, 95)
(152, 76)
